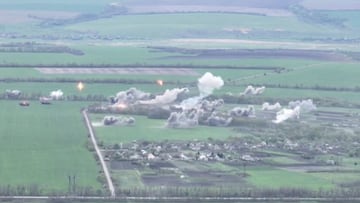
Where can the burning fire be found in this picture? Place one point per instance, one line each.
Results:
(80, 86)
(160, 82)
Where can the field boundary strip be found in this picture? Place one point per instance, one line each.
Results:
(120, 71)
(103, 164)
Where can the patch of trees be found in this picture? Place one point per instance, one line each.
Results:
(36, 96)
(236, 53)
(259, 100)
(36, 190)
(138, 65)
(310, 139)
(88, 81)
(34, 47)
(313, 16)
(219, 192)
(307, 87)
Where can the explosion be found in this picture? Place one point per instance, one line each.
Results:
(121, 106)
(58, 94)
(285, 114)
(80, 86)
(160, 82)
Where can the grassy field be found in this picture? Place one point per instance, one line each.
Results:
(159, 26)
(43, 145)
(328, 75)
(53, 5)
(70, 88)
(264, 177)
(155, 130)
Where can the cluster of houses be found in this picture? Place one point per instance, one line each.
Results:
(186, 151)
(236, 150)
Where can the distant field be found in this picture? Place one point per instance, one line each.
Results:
(328, 75)
(53, 5)
(71, 88)
(159, 26)
(43, 145)
(332, 4)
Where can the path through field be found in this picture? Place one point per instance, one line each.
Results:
(103, 164)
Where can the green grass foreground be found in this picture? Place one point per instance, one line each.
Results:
(43, 145)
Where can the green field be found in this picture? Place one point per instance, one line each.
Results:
(264, 177)
(43, 145)
(159, 26)
(155, 130)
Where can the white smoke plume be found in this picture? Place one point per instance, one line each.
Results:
(191, 109)
(306, 105)
(168, 97)
(271, 107)
(211, 106)
(130, 96)
(250, 90)
(123, 121)
(58, 94)
(243, 112)
(285, 114)
(216, 120)
(184, 119)
(13, 94)
(208, 83)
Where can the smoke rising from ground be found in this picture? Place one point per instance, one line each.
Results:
(123, 121)
(271, 107)
(168, 97)
(250, 90)
(185, 119)
(306, 105)
(218, 120)
(58, 94)
(45, 100)
(285, 114)
(243, 112)
(208, 83)
(130, 96)
(195, 108)
(211, 106)
(13, 94)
